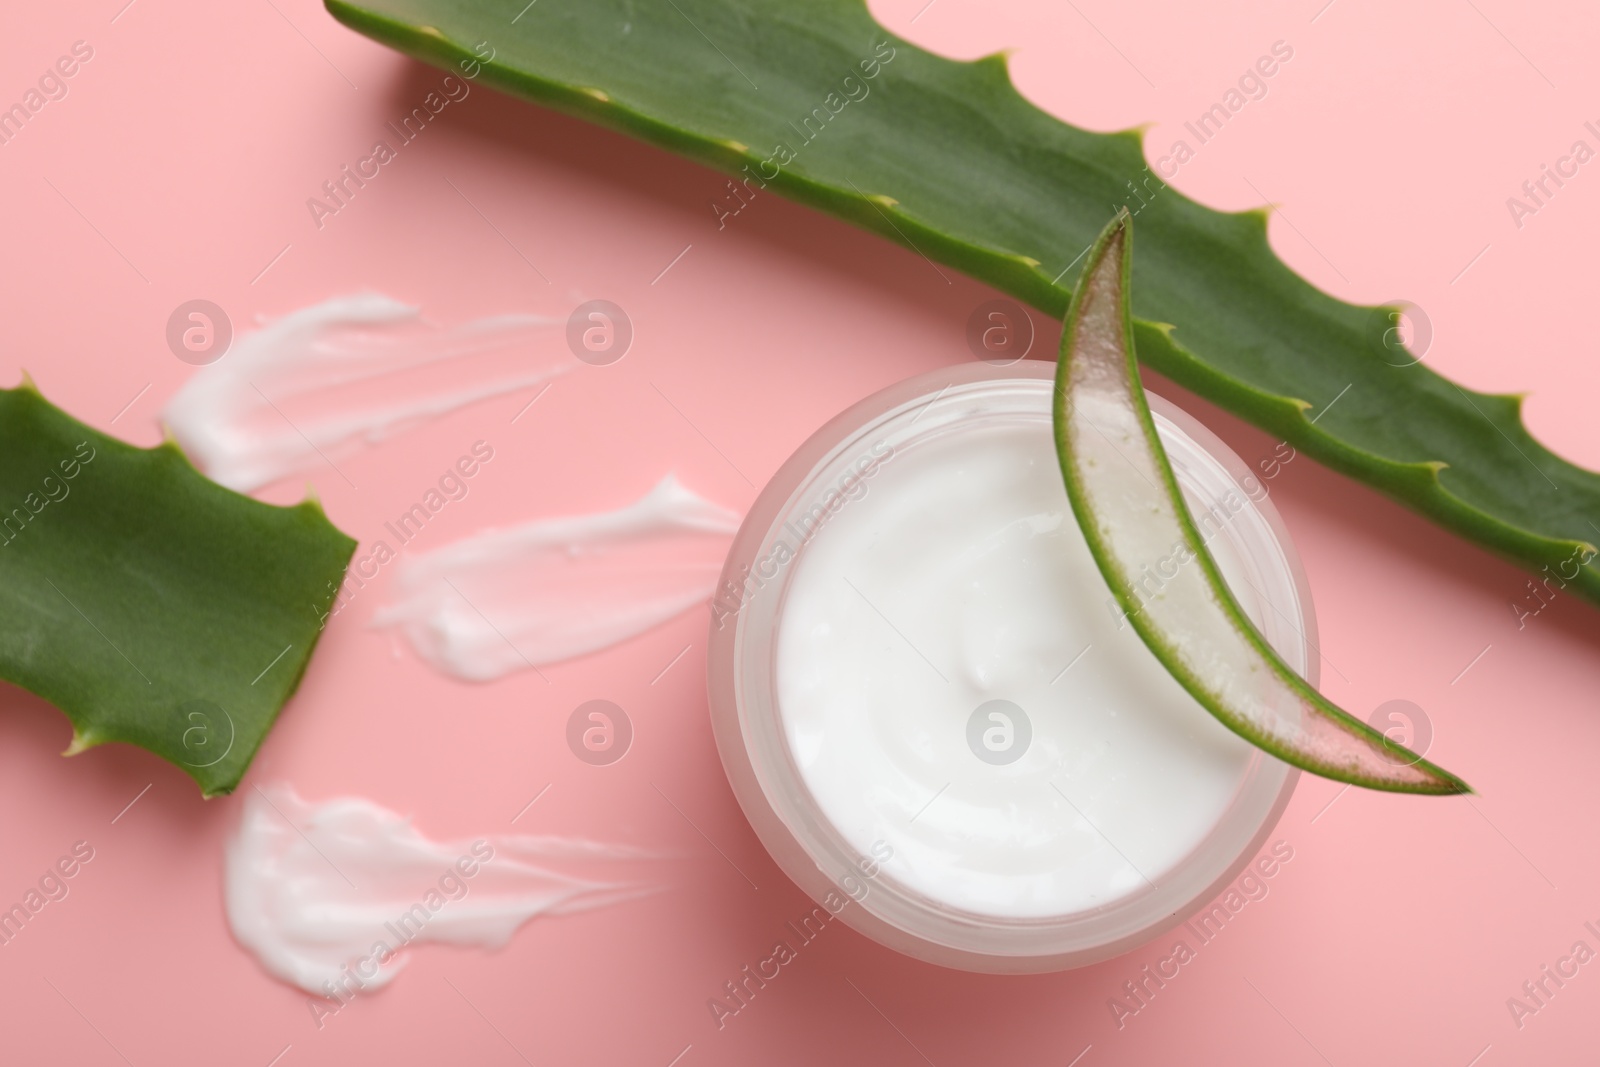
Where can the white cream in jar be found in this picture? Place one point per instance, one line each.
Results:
(929, 706)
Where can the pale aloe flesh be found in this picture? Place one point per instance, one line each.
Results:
(1133, 514)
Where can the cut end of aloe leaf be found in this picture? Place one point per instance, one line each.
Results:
(1133, 514)
(150, 605)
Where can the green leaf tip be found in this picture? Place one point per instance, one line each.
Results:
(149, 604)
(312, 502)
(170, 443)
(1127, 499)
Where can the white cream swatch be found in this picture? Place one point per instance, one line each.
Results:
(548, 590)
(328, 897)
(324, 381)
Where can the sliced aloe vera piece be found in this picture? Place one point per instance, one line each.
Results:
(150, 605)
(1133, 514)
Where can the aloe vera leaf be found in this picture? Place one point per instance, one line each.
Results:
(947, 158)
(150, 605)
(1136, 522)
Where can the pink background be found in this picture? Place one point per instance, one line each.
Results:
(191, 141)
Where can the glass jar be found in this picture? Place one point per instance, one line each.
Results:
(833, 829)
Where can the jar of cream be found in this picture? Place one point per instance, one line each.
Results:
(932, 711)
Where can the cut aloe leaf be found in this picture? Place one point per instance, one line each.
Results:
(816, 101)
(149, 604)
(1133, 514)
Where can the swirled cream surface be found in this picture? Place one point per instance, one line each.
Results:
(953, 681)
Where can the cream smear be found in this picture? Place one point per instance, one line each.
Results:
(324, 381)
(328, 897)
(548, 590)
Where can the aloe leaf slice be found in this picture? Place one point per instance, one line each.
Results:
(149, 604)
(817, 102)
(1133, 514)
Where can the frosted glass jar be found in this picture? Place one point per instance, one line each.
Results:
(931, 711)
